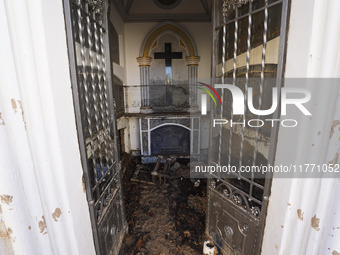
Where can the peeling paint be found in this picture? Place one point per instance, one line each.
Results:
(42, 226)
(22, 113)
(335, 252)
(335, 160)
(6, 199)
(300, 214)
(14, 105)
(6, 234)
(56, 214)
(334, 125)
(2, 122)
(315, 222)
(289, 204)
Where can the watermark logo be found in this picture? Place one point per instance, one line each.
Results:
(204, 97)
(288, 96)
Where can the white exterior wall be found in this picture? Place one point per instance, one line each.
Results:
(117, 22)
(44, 207)
(313, 51)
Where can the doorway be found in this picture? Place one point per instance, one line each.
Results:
(174, 212)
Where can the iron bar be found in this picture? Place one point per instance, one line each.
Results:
(234, 83)
(246, 87)
(265, 28)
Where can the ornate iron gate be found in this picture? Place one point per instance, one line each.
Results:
(90, 68)
(249, 45)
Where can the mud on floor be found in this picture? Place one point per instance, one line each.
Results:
(164, 219)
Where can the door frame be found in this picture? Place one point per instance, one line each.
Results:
(112, 122)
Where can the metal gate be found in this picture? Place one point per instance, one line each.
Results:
(90, 68)
(249, 45)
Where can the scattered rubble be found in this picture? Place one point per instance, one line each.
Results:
(166, 217)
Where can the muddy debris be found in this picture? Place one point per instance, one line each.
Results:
(164, 218)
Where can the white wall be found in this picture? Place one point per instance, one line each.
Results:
(5, 238)
(119, 69)
(313, 51)
(40, 168)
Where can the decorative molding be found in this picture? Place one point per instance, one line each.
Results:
(97, 8)
(155, 44)
(192, 60)
(232, 4)
(168, 27)
(232, 194)
(144, 61)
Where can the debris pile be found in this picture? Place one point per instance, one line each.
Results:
(165, 211)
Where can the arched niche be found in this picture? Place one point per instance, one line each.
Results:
(155, 33)
(145, 58)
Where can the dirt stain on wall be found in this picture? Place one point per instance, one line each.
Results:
(335, 159)
(315, 222)
(56, 214)
(22, 113)
(334, 125)
(2, 122)
(42, 226)
(300, 214)
(6, 199)
(6, 234)
(14, 105)
(335, 252)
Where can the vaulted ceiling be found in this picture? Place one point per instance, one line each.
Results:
(161, 10)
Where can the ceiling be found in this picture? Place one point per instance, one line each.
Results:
(161, 10)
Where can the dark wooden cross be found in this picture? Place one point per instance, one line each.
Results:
(168, 55)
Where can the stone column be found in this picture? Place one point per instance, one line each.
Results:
(192, 62)
(144, 69)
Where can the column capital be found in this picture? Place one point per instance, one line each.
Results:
(192, 60)
(144, 61)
